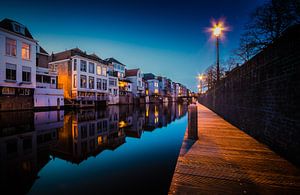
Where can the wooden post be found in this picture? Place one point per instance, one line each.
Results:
(192, 122)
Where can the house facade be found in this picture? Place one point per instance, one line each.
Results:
(136, 78)
(113, 86)
(152, 84)
(47, 93)
(17, 66)
(83, 77)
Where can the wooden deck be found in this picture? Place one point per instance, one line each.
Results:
(225, 160)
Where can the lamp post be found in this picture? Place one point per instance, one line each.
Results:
(200, 86)
(217, 31)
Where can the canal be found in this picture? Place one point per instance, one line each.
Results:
(120, 149)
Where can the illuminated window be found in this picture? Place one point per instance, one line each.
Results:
(25, 51)
(75, 81)
(104, 71)
(11, 47)
(11, 71)
(8, 91)
(98, 70)
(155, 84)
(26, 74)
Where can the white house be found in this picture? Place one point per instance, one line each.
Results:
(17, 66)
(47, 93)
(83, 77)
(113, 86)
(118, 67)
(136, 77)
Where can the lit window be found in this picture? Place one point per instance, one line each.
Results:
(91, 67)
(98, 70)
(104, 71)
(11, 71)
(11, 47)
(25, 51)
(75, 81)
(26, 74)
(8, 91)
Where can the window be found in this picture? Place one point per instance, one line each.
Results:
(104, 86)
(11, 47)
(75, 64)
(104, 71)
(8, 91)
(155, 84)
(112, 82)
(75, 81)
(11, 70)
(99, 70)
(25, 51)
(91, 67)
(91, 82)
(82, 65)
(18, 28)
(46, 79)
(115, 92)
(26, 74)
(82, 81)
(99, 83)
(39, 78)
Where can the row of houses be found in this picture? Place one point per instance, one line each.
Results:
(32, 78)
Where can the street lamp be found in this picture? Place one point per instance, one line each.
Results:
(217, 29)
(200, 86)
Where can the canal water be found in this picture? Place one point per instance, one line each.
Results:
(117, 150)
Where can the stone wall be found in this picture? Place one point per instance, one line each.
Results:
(261, 97)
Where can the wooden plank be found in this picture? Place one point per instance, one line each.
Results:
(225, 160)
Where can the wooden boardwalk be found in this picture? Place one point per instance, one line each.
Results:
(225, 160)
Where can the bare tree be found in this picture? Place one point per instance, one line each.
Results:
(267, 23)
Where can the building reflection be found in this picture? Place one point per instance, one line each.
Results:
(28, 140)
(25, 142)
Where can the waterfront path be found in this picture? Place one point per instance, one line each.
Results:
(225, 160)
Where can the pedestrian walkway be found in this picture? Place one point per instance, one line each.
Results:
(225, 160)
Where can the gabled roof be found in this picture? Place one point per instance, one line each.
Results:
(131, 72)
(7, 24)
(111, 60)
(43, 51)
(76, 52)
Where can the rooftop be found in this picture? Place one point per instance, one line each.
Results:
(15, 27)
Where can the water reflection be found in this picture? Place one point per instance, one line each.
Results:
(31, 140)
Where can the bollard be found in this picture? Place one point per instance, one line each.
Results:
(192, 122)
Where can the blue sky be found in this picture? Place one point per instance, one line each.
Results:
(166, 38)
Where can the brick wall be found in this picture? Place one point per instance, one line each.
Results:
(261, 97)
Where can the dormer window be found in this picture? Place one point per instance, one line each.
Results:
(19, 28)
